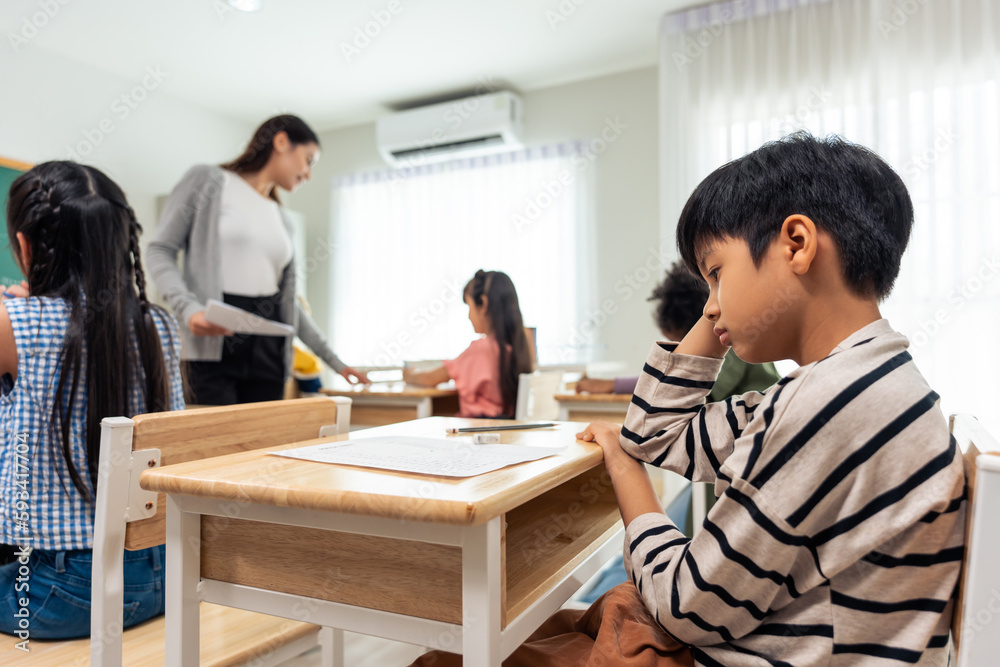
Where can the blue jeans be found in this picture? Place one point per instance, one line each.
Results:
(56, 585)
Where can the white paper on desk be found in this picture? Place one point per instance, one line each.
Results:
(426, 456)
(241, 321)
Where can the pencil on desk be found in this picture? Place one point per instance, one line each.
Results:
(511, 427)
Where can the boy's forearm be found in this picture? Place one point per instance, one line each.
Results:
(669, 402)
(701, 341)
(633, 489)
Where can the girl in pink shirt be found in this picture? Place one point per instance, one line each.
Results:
(486, 374)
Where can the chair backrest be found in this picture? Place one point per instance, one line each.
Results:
(978, 603)
(536, 395)
(127, 517)
(531, 333)
(213, 431)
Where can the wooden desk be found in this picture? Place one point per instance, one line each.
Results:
(471, 565)
(393, 402)
(593, 407)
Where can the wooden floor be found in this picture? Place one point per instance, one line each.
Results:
(363, 651)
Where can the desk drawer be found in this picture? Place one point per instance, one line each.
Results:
(401, 576)
(543, 540)
(547, 537)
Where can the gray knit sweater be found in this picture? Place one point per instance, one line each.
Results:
(190, 222)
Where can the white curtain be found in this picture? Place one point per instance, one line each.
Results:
(916, 80)
(406, 243)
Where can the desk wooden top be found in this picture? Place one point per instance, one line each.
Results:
(593, 398)
(392, 389)
(262, 478)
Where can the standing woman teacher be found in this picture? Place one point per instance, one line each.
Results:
(237, 243)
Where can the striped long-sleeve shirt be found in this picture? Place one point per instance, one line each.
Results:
(839, 529)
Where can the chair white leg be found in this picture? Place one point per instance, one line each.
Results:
(106, 600)
(183, 574)
(331, 642)
(481, 595)
(108, 586)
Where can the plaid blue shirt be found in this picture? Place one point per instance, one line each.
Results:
(39, 505)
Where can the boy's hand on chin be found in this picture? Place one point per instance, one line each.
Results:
(701, 341)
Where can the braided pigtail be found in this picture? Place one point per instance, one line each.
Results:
(31, 205)
(134, 231)
(150, 346)
(35, 209)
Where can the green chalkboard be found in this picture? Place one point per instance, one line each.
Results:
(9, 171)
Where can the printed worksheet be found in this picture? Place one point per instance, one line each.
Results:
(449, 457)
(241, 321)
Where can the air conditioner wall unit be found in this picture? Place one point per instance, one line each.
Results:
(471, 126)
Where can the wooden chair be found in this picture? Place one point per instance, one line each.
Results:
(129, 518)
(536, 395)
(976, 623)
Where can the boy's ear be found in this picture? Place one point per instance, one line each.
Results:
(798, 242)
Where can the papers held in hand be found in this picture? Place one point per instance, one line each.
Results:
(241, 321)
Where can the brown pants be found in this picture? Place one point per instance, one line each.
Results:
(617, 631)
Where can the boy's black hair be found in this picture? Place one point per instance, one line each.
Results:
(681, 299)
(846, 189)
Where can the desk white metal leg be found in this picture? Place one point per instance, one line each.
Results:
(481, 595)
(563, 413)
(183, 574)
(331, 641)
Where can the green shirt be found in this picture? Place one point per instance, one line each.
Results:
(739, 377)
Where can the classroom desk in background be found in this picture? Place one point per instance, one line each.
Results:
(477, 562)
(593, 407)
(384, 403)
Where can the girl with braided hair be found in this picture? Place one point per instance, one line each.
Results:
(80, 343)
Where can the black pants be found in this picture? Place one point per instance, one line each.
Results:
(252, 368)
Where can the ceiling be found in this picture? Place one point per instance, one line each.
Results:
(314, 58)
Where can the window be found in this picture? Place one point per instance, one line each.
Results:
(408, 241)
(915, 81)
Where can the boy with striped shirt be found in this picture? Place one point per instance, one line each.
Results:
(838, 533)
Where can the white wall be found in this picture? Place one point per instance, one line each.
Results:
(144, 142)
(622, 106)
